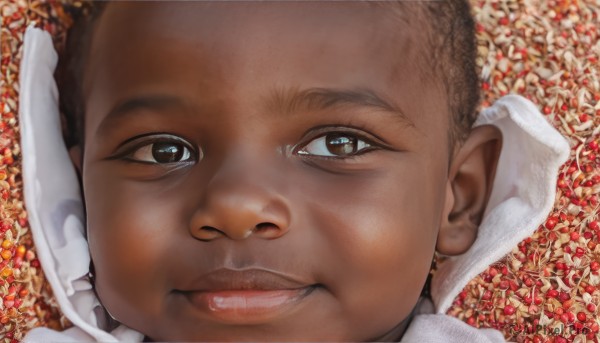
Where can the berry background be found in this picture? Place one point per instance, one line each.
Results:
(546, 290)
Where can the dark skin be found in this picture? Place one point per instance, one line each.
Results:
(297, 139)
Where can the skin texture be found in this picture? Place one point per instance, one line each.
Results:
(253, 91)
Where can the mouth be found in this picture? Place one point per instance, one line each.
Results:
(250, 296)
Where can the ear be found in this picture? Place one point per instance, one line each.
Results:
(76, 157)
(469, 186)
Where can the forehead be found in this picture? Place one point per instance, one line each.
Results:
(256, 47)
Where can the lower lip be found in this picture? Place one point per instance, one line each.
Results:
(248, 306)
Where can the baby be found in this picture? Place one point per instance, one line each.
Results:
(258, 171)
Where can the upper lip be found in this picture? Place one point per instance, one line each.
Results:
(225, 279)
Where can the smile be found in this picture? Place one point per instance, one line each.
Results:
(246, 297)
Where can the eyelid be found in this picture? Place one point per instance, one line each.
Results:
(131, 145)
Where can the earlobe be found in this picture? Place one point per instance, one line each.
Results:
(469, 186)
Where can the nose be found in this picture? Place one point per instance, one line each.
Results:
(239, 204)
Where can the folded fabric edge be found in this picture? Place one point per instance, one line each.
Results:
(38, 42)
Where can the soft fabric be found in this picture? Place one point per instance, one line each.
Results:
(441, 328)
(522, 197)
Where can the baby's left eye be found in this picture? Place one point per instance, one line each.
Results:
(335, 145)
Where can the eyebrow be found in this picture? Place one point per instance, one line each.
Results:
(294, 100)
(288, 101)
(150, 102)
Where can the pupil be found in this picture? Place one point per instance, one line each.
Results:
(167, 152)
(341, 145)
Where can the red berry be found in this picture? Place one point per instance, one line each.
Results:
(595, 266)
(551, 223)
(564, 318)
(591, 307)
(509, 310)
(574, 236)
(564, 296)
(571, 316)
(581, 316)
(552, 293)
(594, 225)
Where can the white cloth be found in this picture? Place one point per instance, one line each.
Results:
(523, 194)
(52, 196)
(440, 328)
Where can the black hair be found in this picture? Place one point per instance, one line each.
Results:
(452, 38)
(455, 53)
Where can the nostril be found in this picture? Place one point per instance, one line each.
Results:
(210, 229)
(264, 226)
(207, 233)
(267, 230)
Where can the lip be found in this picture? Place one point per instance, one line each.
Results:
(250, 296)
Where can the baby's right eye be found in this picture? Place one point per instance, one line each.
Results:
(164, 152)
(160, 149)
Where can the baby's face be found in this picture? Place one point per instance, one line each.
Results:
(262, 171)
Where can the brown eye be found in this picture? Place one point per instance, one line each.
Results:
(162, 152)
(335, 145)
(340, 145)
(167, 152)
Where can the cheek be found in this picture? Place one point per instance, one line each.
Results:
(380, 233)
(131, 229)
